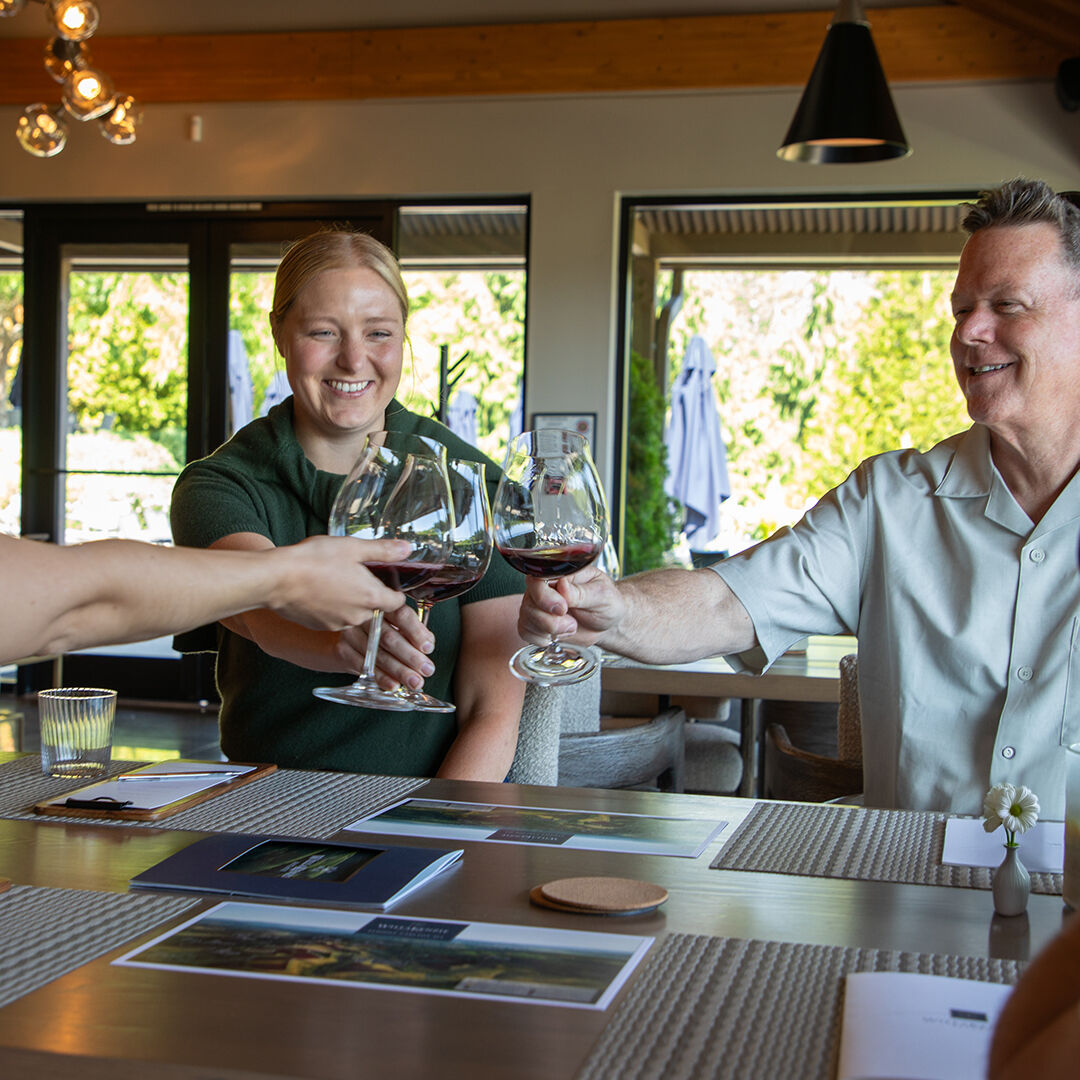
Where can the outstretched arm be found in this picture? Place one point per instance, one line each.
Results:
(111, 591)
(660, 617)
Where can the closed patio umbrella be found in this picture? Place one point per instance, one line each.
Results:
(697, 458)
(461, 416)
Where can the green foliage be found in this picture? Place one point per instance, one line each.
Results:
(481, 313)
(895, 385)
(816, 371)
(250, 296)
(11, 317)
(651, 522)
(127, 368)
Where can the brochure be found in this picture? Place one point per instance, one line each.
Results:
(304, 871)
(591, 830)
(919, 1027)
(531, 964)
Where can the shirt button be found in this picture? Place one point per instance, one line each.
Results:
(1036, 554)
(1024, 674)
(1008, 752)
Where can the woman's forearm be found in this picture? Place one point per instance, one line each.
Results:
(112, 591)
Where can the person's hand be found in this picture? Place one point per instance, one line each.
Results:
(1038, 1032)
(404, 645)
(322, 582)
(580, 607)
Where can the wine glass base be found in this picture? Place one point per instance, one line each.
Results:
(364, 697)
(418, 701)
(554, 665)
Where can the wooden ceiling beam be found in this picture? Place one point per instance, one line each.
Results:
(1054, 21)
(620, 56)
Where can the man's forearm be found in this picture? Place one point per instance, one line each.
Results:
(677, 615)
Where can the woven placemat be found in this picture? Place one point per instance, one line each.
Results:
(48, 932)
(289, 802)
(849, 842)
(749, 1010)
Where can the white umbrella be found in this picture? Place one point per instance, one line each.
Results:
(276, 392)
(239, 381)
(461, 416)
(697, 458)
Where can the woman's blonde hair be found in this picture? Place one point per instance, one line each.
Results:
(333, 249)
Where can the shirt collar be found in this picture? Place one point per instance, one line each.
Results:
(971, 472)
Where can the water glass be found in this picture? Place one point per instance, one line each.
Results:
(1071, 889)
(76, 730)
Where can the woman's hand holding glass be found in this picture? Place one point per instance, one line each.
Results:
(550, 521)
(397, 489)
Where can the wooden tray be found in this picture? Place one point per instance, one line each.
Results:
(55, 809)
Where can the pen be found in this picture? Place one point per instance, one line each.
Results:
(179, 775)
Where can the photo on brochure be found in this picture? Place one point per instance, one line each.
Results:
(593, 830)
(539, 965)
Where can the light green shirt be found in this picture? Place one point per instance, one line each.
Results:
(967, 616)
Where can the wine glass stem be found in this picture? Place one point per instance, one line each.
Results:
(374, 633)
(424, 608)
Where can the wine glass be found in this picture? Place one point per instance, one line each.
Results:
(396, 490)
(550, 521)
(470, 549)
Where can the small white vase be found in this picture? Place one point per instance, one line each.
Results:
(1012, 884)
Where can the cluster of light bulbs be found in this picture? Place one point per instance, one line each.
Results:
(87, 92)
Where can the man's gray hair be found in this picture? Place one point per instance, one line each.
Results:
(1029, 202)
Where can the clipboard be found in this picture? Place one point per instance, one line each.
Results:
(206, 788)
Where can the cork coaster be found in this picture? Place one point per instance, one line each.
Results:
(600, 895)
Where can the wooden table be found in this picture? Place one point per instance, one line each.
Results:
(813, 675)
(107, 1023)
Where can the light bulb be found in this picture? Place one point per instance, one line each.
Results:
(88, 93)
(62, 57)
(119, 125)
(11, 7)
(75, 20)
(41, 131)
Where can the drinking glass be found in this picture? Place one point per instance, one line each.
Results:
(471, 545)
(397, 490)
(550, 521)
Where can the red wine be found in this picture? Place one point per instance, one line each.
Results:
(446, 582)
(546, 562)
(404, 576)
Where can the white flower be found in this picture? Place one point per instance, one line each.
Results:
(1015, 808)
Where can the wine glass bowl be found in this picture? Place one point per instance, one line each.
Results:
(550, 521)
(397, 489)
(471, 545)
(471, 538)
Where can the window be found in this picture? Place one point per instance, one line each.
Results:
(828, 324)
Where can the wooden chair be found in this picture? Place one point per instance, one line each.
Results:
(805, 776)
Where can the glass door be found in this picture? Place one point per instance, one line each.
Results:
(147, 345)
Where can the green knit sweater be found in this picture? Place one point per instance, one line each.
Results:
(261, 482)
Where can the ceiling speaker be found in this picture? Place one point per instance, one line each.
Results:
(1068, 84)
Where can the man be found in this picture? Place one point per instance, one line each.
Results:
(956, 568)
(57, 599)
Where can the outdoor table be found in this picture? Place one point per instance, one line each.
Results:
(730, 944)
(813, 675)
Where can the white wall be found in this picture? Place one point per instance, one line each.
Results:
(574, 156)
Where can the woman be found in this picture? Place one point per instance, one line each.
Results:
(338, 319)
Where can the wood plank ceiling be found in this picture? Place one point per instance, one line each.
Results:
(975, 40)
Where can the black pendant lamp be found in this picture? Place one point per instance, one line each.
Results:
(846, 114)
